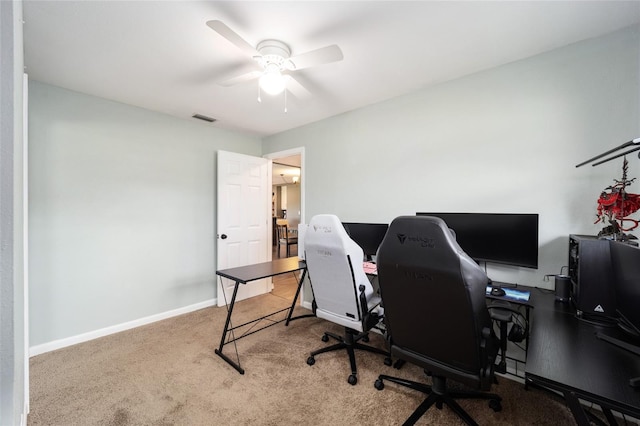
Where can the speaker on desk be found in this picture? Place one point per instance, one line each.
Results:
(563, 288)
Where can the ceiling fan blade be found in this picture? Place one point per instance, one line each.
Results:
(233, 37)
(297, 89)
(320, 56)
(241, 78)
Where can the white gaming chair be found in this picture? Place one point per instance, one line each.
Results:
(341, 289)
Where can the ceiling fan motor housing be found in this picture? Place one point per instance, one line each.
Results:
(273, 52)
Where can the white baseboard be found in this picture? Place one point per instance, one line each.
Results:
(73, 340)
(25, 412)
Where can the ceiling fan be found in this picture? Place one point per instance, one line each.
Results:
(275, 62)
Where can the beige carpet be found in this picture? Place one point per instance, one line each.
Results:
(167, 373)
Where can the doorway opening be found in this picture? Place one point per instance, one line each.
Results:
(287, 212)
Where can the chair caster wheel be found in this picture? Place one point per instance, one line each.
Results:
(388, 361)
(365, 338)
(325, 338)
(495, 405)
(353, 379)
(378, 384)
(311, 360)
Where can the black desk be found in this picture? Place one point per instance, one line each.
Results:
(565, 355)
(245, 274)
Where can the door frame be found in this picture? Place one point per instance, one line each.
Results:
(303, 183)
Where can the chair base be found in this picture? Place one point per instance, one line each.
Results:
(350, 342)
(439, 395)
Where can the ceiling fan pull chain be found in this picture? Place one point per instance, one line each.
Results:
(285, 99)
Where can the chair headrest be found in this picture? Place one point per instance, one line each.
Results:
(425, 232)
(427, 241)
(328, 226)
(327, 234)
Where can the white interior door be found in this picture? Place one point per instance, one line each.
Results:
(244, 226)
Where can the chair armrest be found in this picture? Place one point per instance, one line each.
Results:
(500, 310)
(501, 315)
(362, 297)
(374, 302)
(369, 318)
(486, 332)
(488, 353)
(368, 305)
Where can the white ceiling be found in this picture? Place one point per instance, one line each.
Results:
(161, 55)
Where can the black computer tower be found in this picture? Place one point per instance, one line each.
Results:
(591, 273)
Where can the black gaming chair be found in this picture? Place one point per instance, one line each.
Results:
(435, 313)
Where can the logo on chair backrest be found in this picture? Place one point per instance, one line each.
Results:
(319, 228)
(422, 241)
(417, 275)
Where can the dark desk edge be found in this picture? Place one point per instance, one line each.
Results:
(257, 271)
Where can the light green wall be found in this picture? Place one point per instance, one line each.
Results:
(13, 337)
(503, 140)
(122, 211)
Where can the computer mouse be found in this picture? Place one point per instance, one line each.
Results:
(497, 291)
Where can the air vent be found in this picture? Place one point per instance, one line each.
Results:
(204, 118)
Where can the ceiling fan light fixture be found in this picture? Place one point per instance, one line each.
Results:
(272, 81)
(274, 58)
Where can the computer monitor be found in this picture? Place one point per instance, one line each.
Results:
(507, 238)
(625, 260)
(369, 236)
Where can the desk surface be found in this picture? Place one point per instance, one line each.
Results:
(244, 274)
(565, 354)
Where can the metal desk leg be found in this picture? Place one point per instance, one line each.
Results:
(295, 300)
(609, 416)
(527, 309)
(576, 409)
(503, 316)
(224, 333)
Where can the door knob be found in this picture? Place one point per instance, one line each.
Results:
(223, 236)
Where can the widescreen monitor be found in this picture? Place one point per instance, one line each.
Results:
(625, 260)
(506, 238)
(369, 236)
